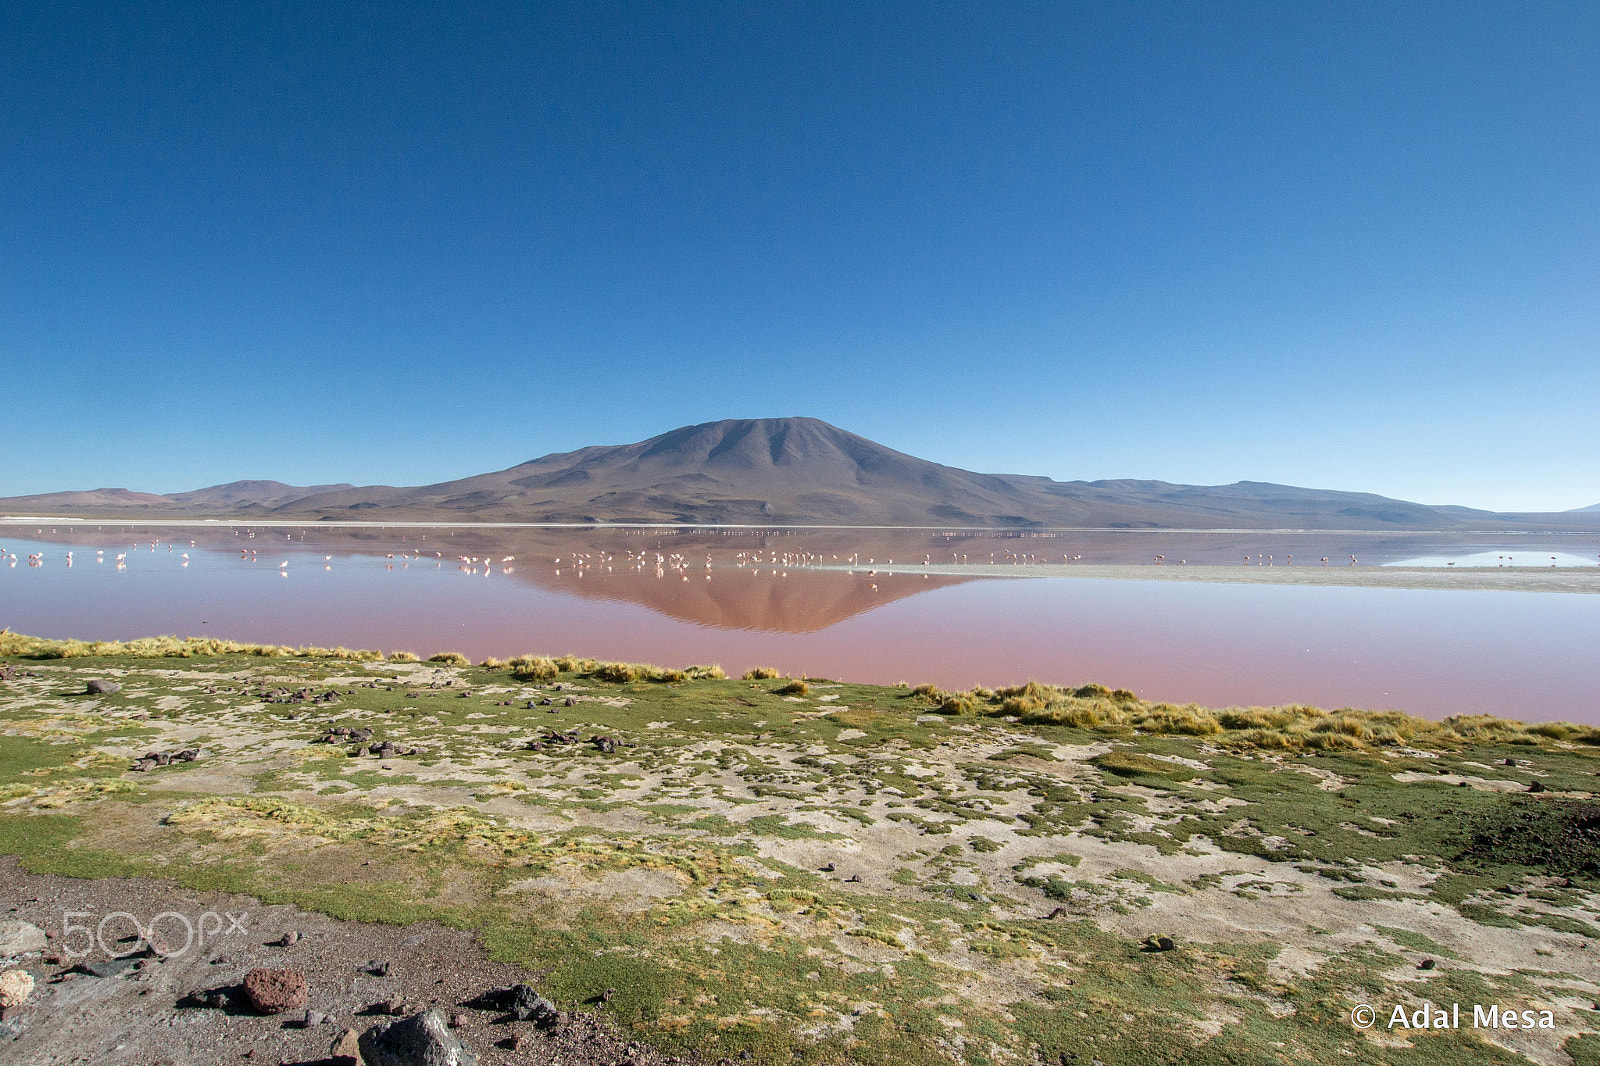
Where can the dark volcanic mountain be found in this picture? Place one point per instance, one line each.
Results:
(781, 471)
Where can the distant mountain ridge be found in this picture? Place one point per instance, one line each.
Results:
(241, 496)
(780, 471)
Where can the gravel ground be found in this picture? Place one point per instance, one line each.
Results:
(152, 1014)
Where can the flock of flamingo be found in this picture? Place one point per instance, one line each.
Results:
(577, 564)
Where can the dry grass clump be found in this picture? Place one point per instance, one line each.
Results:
(793, 688)
(545, 668)
(533, 668)
(931, 693)
(622, 673)
(617, 673)
(760, 673)
(1181, 721)
(450, 658)
(1289, 728)
(404, 657)
(491, 663)
(361, 655)
(166, 647)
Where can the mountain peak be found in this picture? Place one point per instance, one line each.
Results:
(781, 471)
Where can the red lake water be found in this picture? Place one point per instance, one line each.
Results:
(648, 595)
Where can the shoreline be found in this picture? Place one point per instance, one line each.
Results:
(1464, 579)
(320, 523)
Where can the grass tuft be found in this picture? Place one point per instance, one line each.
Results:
(534, 668)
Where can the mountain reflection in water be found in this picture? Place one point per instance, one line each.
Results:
(647, 595)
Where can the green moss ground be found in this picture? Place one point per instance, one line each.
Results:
(687, 870)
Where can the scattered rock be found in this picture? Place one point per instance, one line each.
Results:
(313, 1019)
(15, 988)
(275, 991)
(217, 998)
(523, 1003)
(19, 938)
(1537, 786)
(420, 1040)
(377, 967)
(98, 687)
(346, 1049)
(1159, 943)
(288, 939)
(167, 758)
(1426, 964)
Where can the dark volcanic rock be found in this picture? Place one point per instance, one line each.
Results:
(525, 1004)
(420, 1040)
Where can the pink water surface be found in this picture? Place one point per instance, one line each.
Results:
(1524, 655)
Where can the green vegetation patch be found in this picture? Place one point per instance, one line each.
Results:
(745, 829)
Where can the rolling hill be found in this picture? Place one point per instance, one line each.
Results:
(785, 471)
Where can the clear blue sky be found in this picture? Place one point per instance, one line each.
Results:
(1342, 245)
